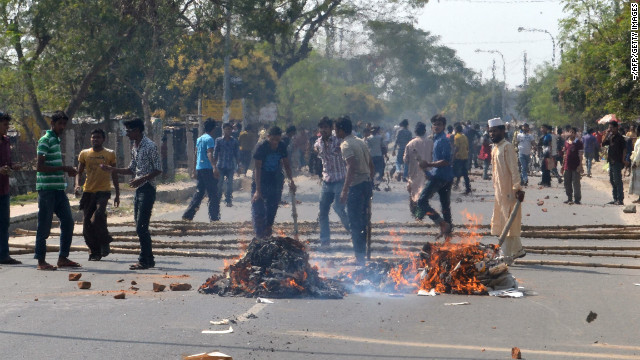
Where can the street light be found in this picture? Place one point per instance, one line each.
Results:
(553, 41)
(504, 76)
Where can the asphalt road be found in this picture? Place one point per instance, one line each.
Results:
(46, 316)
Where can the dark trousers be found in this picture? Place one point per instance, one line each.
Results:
(228, 190)
(142, 206)
(53, 202)
(358, 202)
(546, 173)
(264, 210)
(208, 184)
(615, 178)
(4, 226)
(244, 157)
(460, 170)
(443, 188)
(378, 164)
(94, 225)
(572, 185)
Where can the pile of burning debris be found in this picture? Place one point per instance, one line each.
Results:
(461, 268)
(275, 267)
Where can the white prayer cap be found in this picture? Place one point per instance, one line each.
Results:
(495, 122)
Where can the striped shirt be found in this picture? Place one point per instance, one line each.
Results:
(226, 151)
(333, 166)
(49, 147)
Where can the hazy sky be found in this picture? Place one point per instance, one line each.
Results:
(467, 25)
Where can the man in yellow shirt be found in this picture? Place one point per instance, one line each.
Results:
(97, 191)
(460, 158)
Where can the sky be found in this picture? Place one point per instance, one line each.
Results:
(467, 25)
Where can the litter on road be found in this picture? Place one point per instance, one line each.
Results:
(228, 331)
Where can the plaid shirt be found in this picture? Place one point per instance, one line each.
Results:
(145, 159)
(333, 166)
(226, 151)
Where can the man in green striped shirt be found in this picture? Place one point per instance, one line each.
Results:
(51, 184)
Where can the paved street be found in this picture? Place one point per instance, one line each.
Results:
(46, 316)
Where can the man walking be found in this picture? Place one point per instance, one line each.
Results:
(439, 179)
(333, 174)
(461, 145)
(247, 141)
(145, 167)
(506, 182)
(6, 167)
(590, 144)
(402, 139)
(615, 156)
(51, 185)
(225, 158)
(207, 181)
(572, 167)
(417, 150)
(270, 156)
(96, 194)
(545, 149)
(357, 188)
(525, 142)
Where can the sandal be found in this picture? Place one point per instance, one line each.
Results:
(10, 261)
(68, 263)
(138, 266)
(46, 267)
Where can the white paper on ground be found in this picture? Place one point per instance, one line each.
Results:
(512, 293)
(220, 322)
(228, 331)
(431, 292)
(458, 303)
(264, 301)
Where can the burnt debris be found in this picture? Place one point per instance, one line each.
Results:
(276, 267)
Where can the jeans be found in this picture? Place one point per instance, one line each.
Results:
(460, 170)
(142, 206)
(228, 174)
(358, 203)
(572, 185)
(524, 167)
(263, 210)
(329, 194)
(245, 160)
(588, 156)
(378, 164)
(207, 183)
(400, 165)
(5, 218)
(50, 202)
(486, 164)
(615, 178)
(94, 224)
(443, 188)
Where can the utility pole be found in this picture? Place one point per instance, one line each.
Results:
(526, 81)
(226, 90)
(493, 87)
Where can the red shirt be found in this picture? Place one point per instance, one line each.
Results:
(572, 155)
(5, 159)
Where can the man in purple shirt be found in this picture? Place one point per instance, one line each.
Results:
(333, 173)
(6, 166)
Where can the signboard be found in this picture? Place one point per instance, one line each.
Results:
(215, 109)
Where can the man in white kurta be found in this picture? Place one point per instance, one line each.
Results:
(418, 149)
(506, 182)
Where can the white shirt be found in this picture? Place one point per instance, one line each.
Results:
(525, 143)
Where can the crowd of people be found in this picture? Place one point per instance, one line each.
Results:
(349, 158)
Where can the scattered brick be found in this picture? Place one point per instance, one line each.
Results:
(121, 280)
(516, 353)
(133, 282)
(84, 285)
(180, 287)
(158, 287)
(119, 296)
(544, 210)
(75, 276)
(540, 202)
(134, 288)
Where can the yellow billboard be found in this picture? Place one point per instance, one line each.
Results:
(215, 109)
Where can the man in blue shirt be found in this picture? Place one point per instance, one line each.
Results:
(590, 145)
(205, 175)
(439, 179)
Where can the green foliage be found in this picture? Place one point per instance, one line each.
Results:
(539, 101)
